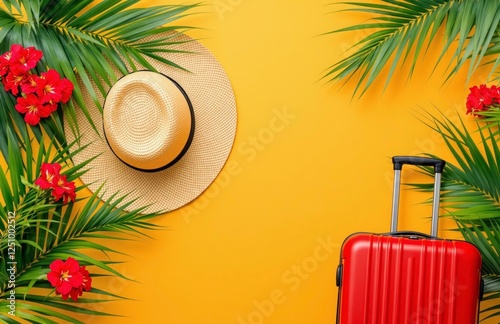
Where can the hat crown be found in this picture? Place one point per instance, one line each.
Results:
(148, 120)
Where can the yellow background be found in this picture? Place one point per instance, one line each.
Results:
(310, 165)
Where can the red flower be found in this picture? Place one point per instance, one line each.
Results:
(65, 276)
(87, 281)
(30, 83)
(5, 60)
(32, 108)
(86, 285)
(495, 94)
(26, 58)
(66, 90)
(51, 106)
(50, 87)
(49, 175)
(64, 189)
(19, 58)
(51, 179)
(14, 79)
(482, 98)
(69, 279)
(39, 95)
(15, 64)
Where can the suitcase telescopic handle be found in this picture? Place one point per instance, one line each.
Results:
(398, 162)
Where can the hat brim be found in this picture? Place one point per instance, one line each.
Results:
(214, 105)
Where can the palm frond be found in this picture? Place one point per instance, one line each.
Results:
(471, 185)
(45, 231)
(494, 51)
(486, 237)
(471, 192)
(403, 28)
(85, 40)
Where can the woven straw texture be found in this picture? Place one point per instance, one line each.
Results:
(212, 97)
(147, 120)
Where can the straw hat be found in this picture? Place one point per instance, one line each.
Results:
(163, 136)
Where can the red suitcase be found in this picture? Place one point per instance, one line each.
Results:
(408, 277)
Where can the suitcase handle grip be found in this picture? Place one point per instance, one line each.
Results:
(399, 161)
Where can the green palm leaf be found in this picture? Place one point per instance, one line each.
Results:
(471, 185)
(85, 40)
(471, 192)
(404, 29)
(46, 231)
(486, 236)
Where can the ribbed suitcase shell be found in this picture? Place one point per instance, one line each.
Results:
(386, 279)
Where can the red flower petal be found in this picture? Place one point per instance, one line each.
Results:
(54, 278)
(57, 193)
(32, 119)
(72, 265)
(74, 293)
(87, 281)
(66, 90)
(30, 84)
(76, 279)
(44, 110)
(48, 88)
(52, 168)
(64, 287)
(57, 265)
(43, 183)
